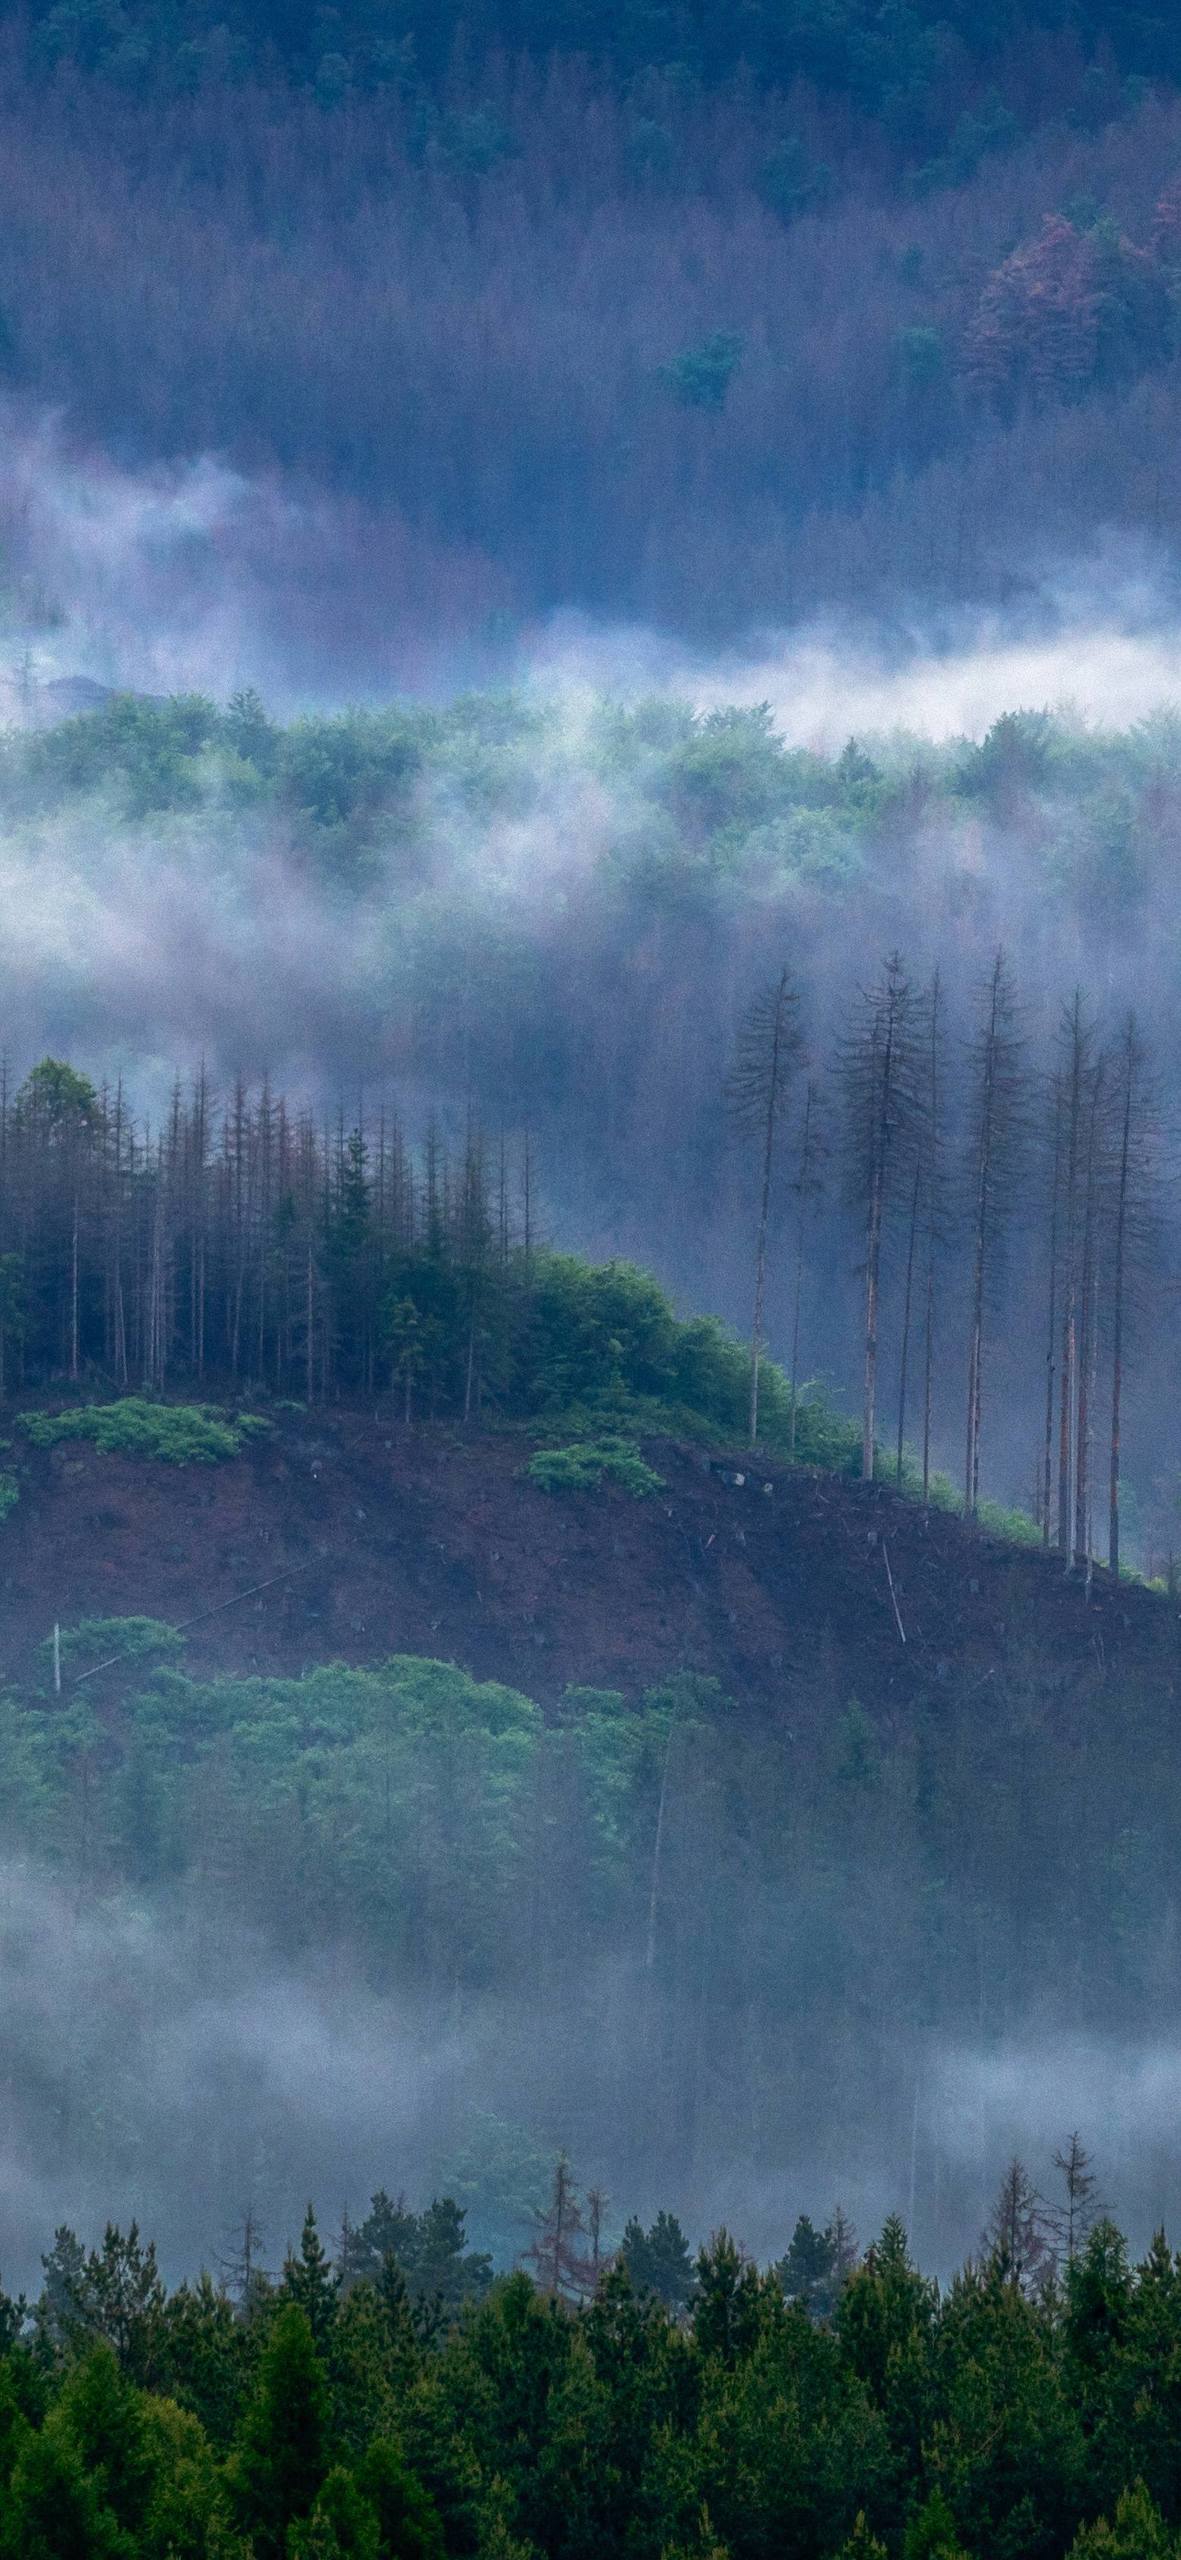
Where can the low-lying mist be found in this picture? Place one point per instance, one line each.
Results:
(161, 2062)
(557, 915)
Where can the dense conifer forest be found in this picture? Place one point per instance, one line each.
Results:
(392, 2403)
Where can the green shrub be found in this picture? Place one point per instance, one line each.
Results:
(181, 1434)
(584, 1466)
(1001, 1521)
(10, 1494)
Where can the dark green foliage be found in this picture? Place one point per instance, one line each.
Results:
(308, 2281)
(113, 2294)
(428, 2250)
(341, 2526)
(728, 2306)
(281, 2458)
(54, 2510)
(407, 2520)
(808, 2270)
(204, 2357)
(659, 2261)
(589, 1463)
(914, 2425)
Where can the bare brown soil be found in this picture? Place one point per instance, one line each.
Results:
(428, 1543)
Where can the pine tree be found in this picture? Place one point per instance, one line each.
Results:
(281, 2456)
(727, 2302)
(309, 2281)
(341, 2526)
(659, 2261)
(807, 2269)
(408, 2524)
(118, 2295)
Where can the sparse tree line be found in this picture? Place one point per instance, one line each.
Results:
(397, 2403)
(992, 1181)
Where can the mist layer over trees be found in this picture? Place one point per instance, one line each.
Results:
(396, 1925)
(532, 934)
(681, 322)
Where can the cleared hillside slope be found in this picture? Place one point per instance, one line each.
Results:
(373, 1541)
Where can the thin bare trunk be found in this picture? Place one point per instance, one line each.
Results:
(906, 1306)
(1117, 1313)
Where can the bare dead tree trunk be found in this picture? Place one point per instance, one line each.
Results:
(1085, 1349)
(1077, 1058)
(74, 1289)
(908, 1293)
(1130, 1063)
(767, 1051)
(1047, 1470)
(873, 1261)
(805, 1188)
(996, 1147)
(933, 1141)
(880, 1067)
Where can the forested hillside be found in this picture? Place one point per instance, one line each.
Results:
(707, 318)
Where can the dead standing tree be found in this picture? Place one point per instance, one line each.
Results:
(557, 2253)
(997, 1127)
(880, 1068)
(1094, 1202)
(1080, 2208)
(1045, 1484)
(1074, 1088)
(758, 1090)
(935, 1188)
(807, 1187)
(1137, 1183)
(927, 1231)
